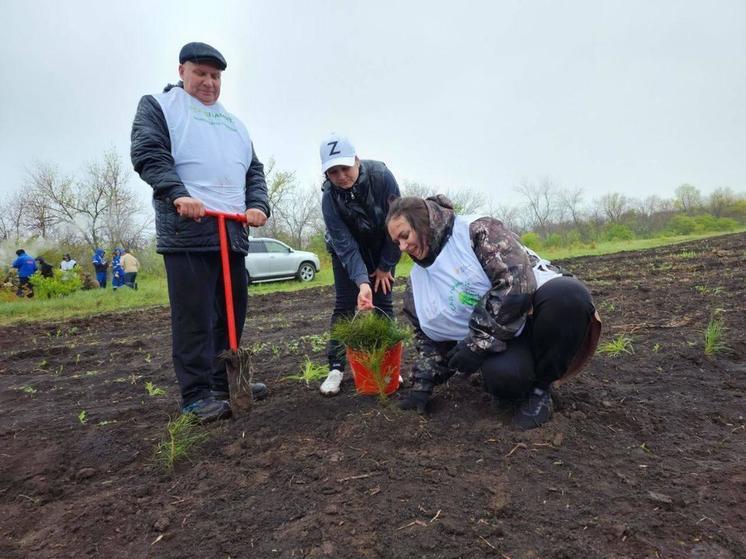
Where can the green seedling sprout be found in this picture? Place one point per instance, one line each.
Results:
(183, 436)
(616, 347)
(715, 337)
(311, 372)
(153, 390)
(83, 417)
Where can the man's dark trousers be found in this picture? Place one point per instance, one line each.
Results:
(199, 332)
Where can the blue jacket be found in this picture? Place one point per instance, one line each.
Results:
(99, 262)
(355, 220)
(25, 265)
(116, 266)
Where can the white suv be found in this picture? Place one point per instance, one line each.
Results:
(270, 259)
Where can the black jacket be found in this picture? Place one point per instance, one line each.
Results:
(355, 220)
(152, 160)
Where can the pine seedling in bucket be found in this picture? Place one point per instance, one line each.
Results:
(374, 346)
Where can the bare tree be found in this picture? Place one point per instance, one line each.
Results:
(688, 198)
(46, 189)
(123, 223)
(99, 207)
(542, 200)
(571, 200)
(301, 216)
(413, 188)
(613, 206)
(11, 217)
(720, 200)
(280, 187)
(509, 215)
(464, 201)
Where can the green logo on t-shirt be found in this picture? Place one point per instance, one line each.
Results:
(214, 118)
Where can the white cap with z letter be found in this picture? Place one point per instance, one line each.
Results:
(336, 150)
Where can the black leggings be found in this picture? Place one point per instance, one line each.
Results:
(562, 313)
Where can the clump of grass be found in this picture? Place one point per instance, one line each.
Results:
(715, 337)
(616, 347)
(310, 372)
(371, 335)
(184, 435)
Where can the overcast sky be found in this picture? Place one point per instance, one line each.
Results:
(635, 97)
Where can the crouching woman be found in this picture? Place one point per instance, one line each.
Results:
(478, 299)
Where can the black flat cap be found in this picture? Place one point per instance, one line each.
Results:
(202, 52)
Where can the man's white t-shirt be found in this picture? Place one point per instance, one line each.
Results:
(211, 149)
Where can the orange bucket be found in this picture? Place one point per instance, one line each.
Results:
(369, 381)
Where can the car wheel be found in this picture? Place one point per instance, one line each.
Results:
(306, 272)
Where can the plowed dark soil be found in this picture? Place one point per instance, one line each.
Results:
(645, 457)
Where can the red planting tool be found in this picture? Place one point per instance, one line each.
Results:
(238, 361)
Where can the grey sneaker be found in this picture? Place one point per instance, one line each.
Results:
(535, 411)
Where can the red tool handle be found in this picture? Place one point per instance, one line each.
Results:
(235, 217)
(227, 286)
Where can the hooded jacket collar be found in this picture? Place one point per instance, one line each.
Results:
(441, 215)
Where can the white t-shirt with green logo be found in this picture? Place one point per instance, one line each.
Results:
(211, 149)
(446, 292)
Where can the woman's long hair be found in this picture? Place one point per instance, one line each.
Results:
(414, 210)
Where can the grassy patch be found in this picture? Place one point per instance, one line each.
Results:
(152, 289)
(150, 292)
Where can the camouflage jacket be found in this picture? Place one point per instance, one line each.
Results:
(500, 313)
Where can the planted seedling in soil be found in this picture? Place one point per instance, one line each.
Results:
(370, 336)
(715, 337)
(184, 435)
(311, 372)
(153, 390)
(616, 347)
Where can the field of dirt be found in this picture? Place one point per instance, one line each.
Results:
(645, 457)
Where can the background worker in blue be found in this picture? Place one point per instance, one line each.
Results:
(354, 204)
(100, 265)
(196, 156)
(26, 267)
(117, 272)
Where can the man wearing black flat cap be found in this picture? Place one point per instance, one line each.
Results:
(196, 156)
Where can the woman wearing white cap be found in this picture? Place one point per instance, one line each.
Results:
(355, 201)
